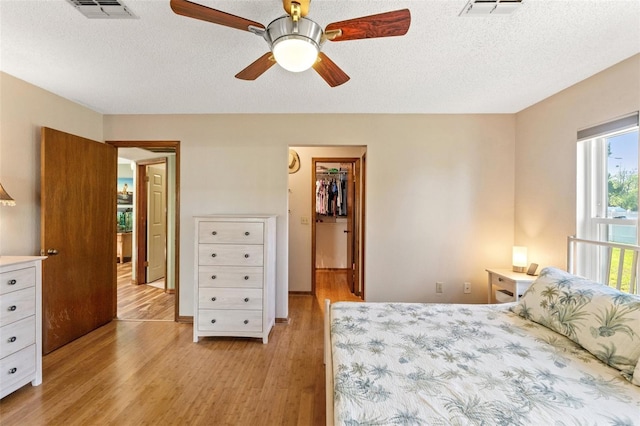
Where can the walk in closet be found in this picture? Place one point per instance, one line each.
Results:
(331, 215)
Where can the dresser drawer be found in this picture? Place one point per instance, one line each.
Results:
(16, 367)
(231, 232)
(229, 320)
(503, 283)
(230, 254)
(17, 335)
(17, 305)
(230, 276)
(230, 298)
(17, 280)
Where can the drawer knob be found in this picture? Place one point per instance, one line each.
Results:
(213, 321)
(213, 299)
(246, 256)
(247, 233)
(214, 233)
(12, 339)
(213, 255)
(213, 277)
(13, 308)
(246, 299)
(500, 279)
(246, 321)
(246, 277)
(13, 370)
(13, 282)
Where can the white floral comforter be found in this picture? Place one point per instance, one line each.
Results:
(433, 364)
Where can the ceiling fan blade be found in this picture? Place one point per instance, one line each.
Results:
(329, 71)
(304, 6)
(257, 68)
(387, 24)
(204, 13)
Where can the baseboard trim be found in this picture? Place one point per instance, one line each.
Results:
(301, 293)
(332, 269)
(185, 319)
(283, 320)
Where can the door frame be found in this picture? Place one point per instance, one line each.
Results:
(173, 147)
(357, 236)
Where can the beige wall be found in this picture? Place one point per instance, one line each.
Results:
(439, 190)
(545, 183)
(229, 164)
(24, 109)
(440, 203)
(442, 190)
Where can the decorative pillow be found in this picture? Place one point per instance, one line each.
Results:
(601, 319)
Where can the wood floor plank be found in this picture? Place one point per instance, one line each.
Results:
(142, 302)
(150, 372)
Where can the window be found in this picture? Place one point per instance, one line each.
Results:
(607, 191)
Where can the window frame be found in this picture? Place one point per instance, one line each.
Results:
(592, 195)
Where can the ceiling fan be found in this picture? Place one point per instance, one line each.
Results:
(295, 41)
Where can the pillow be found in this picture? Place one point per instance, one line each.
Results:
(601, 319)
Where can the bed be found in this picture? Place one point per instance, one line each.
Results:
(566, 354)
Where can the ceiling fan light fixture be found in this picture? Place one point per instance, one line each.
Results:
(295, 45)
(295, 53)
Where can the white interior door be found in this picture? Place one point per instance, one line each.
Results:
(156, 222)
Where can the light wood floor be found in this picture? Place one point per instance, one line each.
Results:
(142, 302)
(137, 372)
(332, 285)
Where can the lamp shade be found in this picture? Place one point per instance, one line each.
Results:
(5, 199)
(519, 259)
(295, 54)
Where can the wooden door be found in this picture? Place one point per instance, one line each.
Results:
(350, 225)
(78, 224)
(356, 218)
(157, 222)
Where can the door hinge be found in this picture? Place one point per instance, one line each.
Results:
(146, 178)
(146, 264)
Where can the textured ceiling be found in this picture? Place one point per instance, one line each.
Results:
(165, 63)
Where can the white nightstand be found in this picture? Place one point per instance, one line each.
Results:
(511, 284)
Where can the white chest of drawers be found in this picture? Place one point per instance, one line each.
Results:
(235, 270)
(20, 322)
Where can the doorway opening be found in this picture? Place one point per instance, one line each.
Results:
(148, 285)
(336, 228)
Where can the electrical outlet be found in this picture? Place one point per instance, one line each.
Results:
(467, 287)
(439, 286)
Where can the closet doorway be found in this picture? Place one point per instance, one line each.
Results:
(336, 231)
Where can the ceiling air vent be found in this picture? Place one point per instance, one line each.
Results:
(490, 7)
(103, 9)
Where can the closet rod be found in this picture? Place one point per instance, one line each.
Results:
(341, 172)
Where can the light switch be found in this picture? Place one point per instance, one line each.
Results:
(304, 220)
